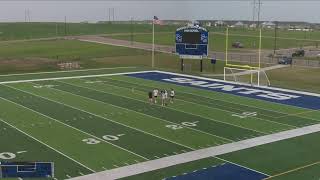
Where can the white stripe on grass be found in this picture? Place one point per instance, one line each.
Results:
(212, 119)
(69, 71)
(71, 77)
(221, 138)
(184, 151)
(243, 84)
(72, 126)
(110, 119)
(275, 122)
(14, 127)
(96, 115)
(208, 97)
(204, 153)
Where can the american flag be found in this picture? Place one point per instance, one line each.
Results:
(156, 20)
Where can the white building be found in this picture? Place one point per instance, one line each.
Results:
(269, 25)
(219, 23)
(239, 24)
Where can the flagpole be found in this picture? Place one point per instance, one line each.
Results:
(153, 43)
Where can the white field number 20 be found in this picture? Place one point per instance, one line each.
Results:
(105, 137)
(177, 127)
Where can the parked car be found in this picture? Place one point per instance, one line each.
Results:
(298, 53)
(285, 60)
(237, 45)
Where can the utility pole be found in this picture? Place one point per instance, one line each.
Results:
(29, 15)
(275, 37)
(131, 30)
(109, 14)
(254, 11)
(259, 10)
(56, 29)
(113, 14)
(65, 25)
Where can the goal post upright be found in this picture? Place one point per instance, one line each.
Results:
(253, 69)
(227, 42)
(260, 44)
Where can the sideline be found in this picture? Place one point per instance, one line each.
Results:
(198, 154)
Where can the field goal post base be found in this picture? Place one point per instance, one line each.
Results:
(252, 75)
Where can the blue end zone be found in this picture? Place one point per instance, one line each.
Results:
(267, 94)
(222, 172)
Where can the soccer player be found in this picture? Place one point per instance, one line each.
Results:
(172, 94)
(163, 98)
(150, 97)
(155, 95)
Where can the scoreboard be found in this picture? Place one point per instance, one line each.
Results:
(191, 37)
(192, 42)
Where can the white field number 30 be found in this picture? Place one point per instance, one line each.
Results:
(105, 137)
(177, 127)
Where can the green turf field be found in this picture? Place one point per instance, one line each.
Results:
(90, 124)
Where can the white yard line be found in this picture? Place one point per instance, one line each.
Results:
(122, 45)
(247, 71)
(108, 119)
(137, 72)
(12, 126)
(71, 77)
(67, 125)
(237, 83)
(221, 138)
(250, 106)
(211, 119)
(198, 154)
(216, 108)
(70, 71)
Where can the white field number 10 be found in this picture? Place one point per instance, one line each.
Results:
(177, 127)
(7, 155)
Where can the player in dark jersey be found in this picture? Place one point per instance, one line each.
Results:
(150, 97)
(172, 94)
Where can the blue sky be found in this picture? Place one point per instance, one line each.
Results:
(92, 11)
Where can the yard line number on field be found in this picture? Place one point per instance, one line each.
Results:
(177, 127)
(245, 115)
(10, 155)
(105, 137)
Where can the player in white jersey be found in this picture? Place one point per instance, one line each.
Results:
(172, 94)
(166, 94)
(155, 95)
(163, 98)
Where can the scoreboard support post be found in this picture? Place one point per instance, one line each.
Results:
(201, 65)
(182, 64)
